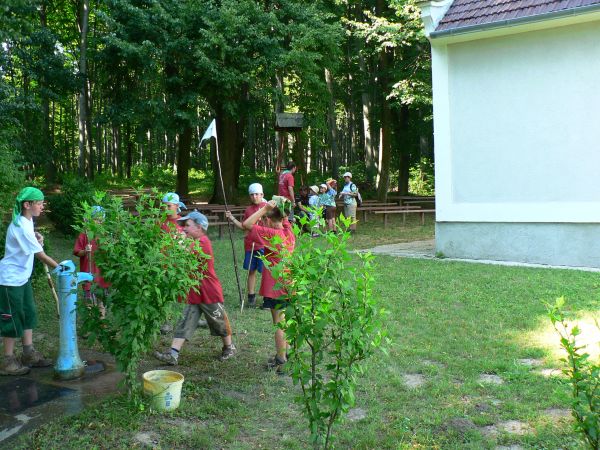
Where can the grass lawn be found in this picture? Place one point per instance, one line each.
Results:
(450, 323)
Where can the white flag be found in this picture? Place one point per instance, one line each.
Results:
(211, 131)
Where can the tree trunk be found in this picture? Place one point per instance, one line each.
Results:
(183, 161)
(370, 156)
(230, 155)
(332, 125)
(401, 117)
(47, 148)
(385, 145)
(83, 28)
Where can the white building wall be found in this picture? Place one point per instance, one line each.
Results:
(517, 127)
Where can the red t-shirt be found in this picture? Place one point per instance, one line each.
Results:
(84, 263)
(210, 290)
(171, 224)
(247, 241)
(263, 236)
(286, 179)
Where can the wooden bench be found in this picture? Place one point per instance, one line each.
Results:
(404, 213)
(374, 209)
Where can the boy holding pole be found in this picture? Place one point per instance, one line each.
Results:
(18, 316)
(277, 225)
(253, 251)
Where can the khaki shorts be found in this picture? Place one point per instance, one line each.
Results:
(216, 317)
(17, 310)
(350, 211)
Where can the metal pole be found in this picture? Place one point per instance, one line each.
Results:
(237, 275)
(53, 289)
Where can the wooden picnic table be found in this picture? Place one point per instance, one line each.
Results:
(404, 213)
(392, 207)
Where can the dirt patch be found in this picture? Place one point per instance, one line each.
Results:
(483, 407)
(433, 363)
(558, 414)
(530, 362)
(185, 427)
(490, 378)
(459, 425)
(514, 427)
(356, 414)
(413, 380)
(146, 438)
(549, 373)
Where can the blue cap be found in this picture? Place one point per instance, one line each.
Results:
(197, 217)
(172, 197)
(97, 211)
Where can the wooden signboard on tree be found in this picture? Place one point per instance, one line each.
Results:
(290, 123)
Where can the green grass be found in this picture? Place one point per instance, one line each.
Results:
(448, 321)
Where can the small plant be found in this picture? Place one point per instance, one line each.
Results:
(332, 323)
(583, 374)
(148, 269)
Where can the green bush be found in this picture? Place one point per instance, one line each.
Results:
(583, 375)
(64, 208)
(148, 269)
(332, 323)
(422, 180)
(11, 181)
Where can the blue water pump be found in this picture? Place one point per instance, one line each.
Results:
(68, 364)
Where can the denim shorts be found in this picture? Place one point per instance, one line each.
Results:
(257, 263)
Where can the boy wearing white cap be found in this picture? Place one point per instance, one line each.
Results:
(207, 299)
(252, 261)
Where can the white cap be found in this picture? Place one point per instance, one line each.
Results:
(255, 188)
(347, 174)
(315, 189)
(323, 185)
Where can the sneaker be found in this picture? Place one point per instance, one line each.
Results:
(202, 323)
(166, 357)
(252, 302)
(277, 364)
(227, 352)
(12, 366)
(35, 359)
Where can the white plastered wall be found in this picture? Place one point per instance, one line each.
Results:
(517, 127)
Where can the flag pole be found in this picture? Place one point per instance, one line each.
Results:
(237, 275)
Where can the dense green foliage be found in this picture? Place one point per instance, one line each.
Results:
(148, 269)
(114, 85)
(332, 323)
(65, 207)
(583, 375)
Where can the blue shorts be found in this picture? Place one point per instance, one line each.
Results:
(257, 263)
(275, 303)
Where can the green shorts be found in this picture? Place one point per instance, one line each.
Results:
(17, 310)
(215, 315)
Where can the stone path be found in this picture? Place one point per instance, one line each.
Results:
(426, 250)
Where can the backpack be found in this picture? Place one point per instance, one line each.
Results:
(358, 196)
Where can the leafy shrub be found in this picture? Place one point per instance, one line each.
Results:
(148, 270)
(65, 207)
(11, 180)
(584, 376)
(332, 323)
(422, 180)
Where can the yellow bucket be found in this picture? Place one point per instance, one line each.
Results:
(164, 386)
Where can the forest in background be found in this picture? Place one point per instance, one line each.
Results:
(110, 87)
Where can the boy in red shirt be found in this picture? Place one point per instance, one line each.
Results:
(85, 250)
(277, 224)
(207, 299)
(286, 185)
(173, 207)
(252, 260)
